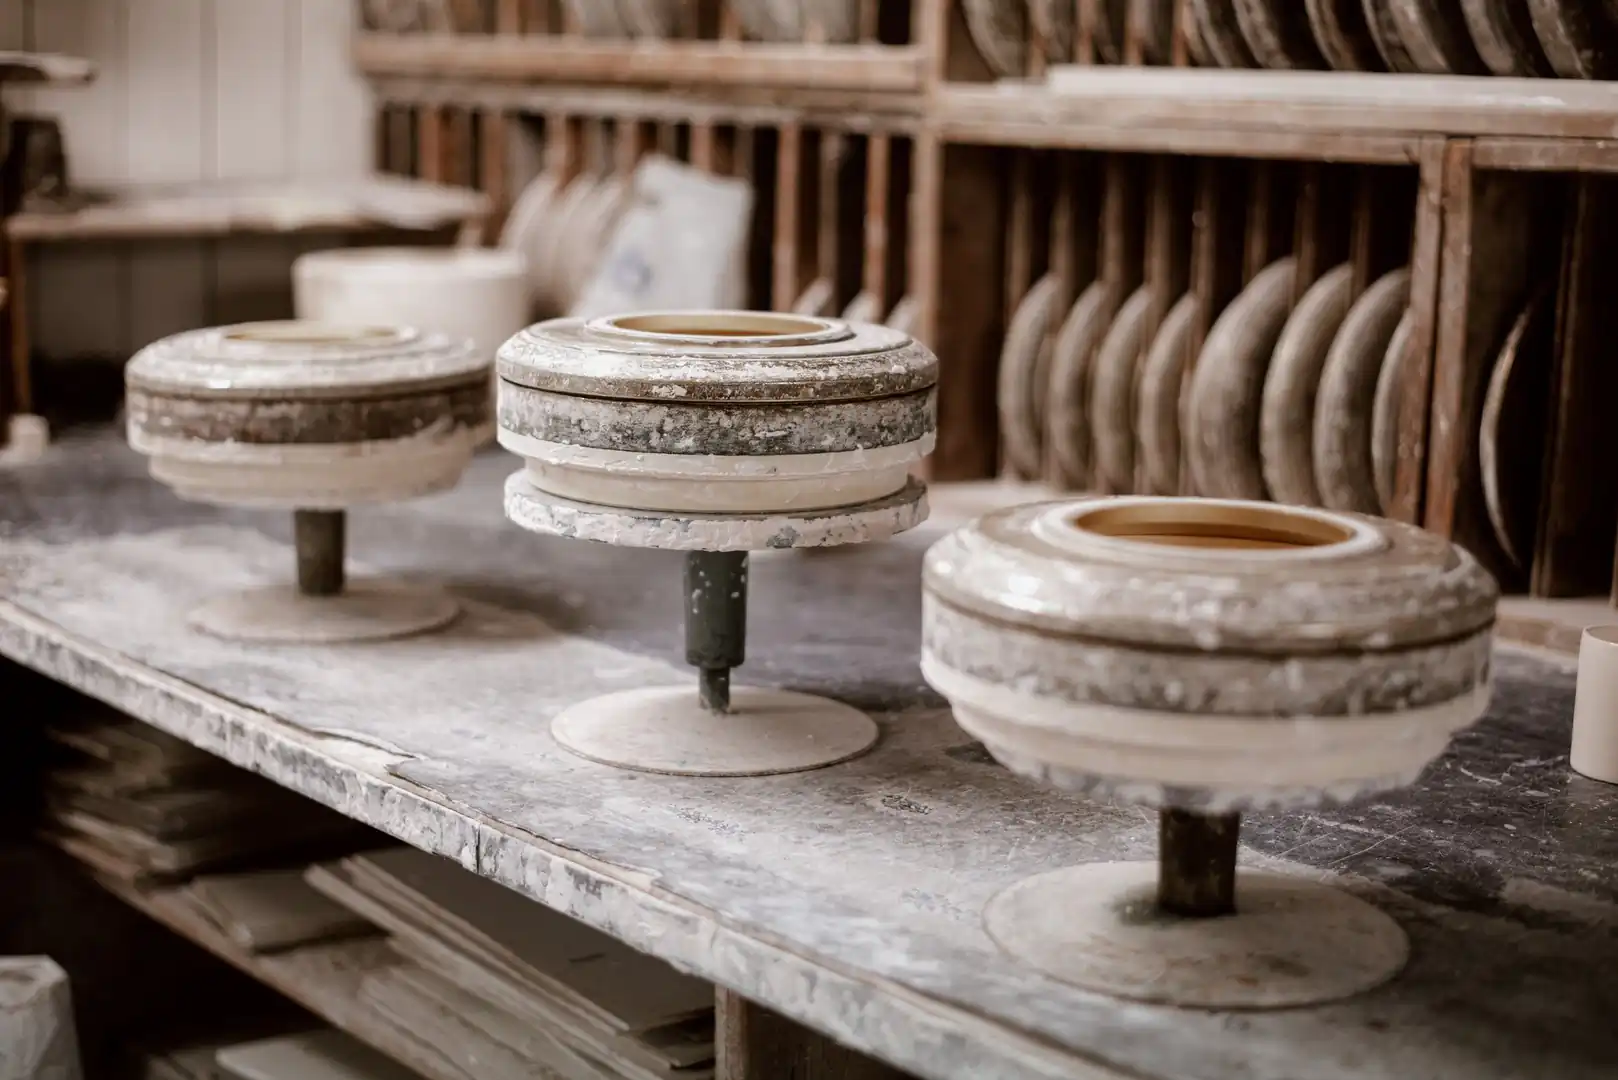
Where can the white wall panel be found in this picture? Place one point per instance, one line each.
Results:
(189, 90)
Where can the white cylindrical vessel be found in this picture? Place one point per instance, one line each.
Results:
(1205, 657)
(314, 418)
(1594, 752)
(716, 433)
(476, 294)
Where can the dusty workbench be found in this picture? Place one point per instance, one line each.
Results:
(849, 898)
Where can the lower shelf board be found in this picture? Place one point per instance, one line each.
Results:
(1553, 625)
(325, 979)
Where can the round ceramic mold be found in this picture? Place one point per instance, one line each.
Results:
(717, 434)
(1205, 657)
(315, 418)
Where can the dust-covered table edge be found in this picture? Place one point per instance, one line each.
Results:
(923, 1034)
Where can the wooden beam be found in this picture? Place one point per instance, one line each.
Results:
(890, 68)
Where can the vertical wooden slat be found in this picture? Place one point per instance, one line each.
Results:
(430, 143)
(494, 169)
(1488, 240)
(634, 139)
(966, 332)
(508, 17)
(878, 177)
(785, 256)
(1415, 395)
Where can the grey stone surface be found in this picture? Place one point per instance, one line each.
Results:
(848, 898)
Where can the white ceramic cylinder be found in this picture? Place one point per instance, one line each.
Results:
(476, 293)
(1595, 706)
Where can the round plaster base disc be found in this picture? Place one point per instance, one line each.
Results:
(1291, 942)
(539, 511)
(363, 611)
(665, 729)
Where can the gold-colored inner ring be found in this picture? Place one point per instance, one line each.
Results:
(739, 324)
(1211, 525)
(294, 334)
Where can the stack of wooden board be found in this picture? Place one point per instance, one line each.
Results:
(564, 999)
(140, 806)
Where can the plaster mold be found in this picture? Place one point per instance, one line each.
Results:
(1204, 657)
(315, 418)
(717, 434)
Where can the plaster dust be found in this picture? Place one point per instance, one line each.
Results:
(850, 897)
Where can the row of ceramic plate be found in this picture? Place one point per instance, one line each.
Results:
(1296, 404)
(761, 20)
(561, 229)
(1567, 38)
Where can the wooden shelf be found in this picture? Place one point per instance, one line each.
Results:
(847, 110)
(846, 899)
(1305, 115)
(203, 210)
(325, 979)
(866, 68)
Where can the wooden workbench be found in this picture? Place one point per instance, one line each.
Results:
(847, 899)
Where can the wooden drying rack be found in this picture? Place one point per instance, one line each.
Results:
(972, 190)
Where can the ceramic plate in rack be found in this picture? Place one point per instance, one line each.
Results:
(526, 223)
(865, 308)
(999, 29)
(903, 316)
(1194, 43)
(393, 16)
(1579, 41)
(1162, 379)
(1220, 32)
(1342, 428)
(834, 21)
(1030, 328)
(1067, 436)
(587, 240)
(649, 18)
(1385, 453)
(595, 18)
(1384, 32)
(1227, 387)
(550, 258)
(1156, 21)
(1112, 392)
(1278, 33)
(1287, 413)
(1342, 36)
(760, 20)
(1052, 20)
(1503, 34)
(1435, 35)
(817, 299)
(1511, 437)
